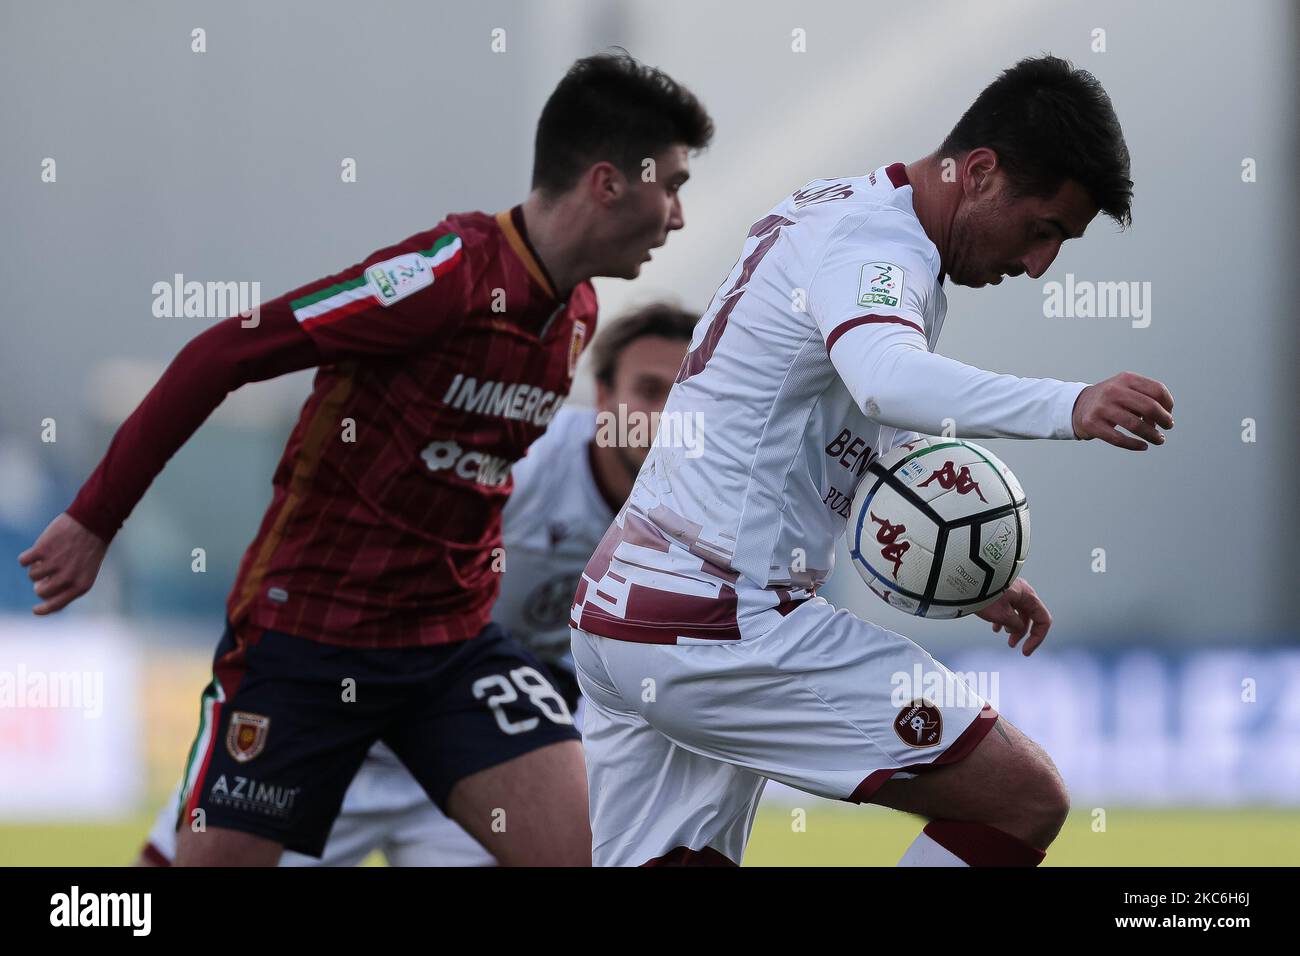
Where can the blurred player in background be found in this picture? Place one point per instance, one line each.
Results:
(361, 611)
(707, 661)
(567, 489)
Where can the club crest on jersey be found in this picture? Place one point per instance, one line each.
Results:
(394, 279)
(246, 737)
(881, 283)
(919, 724)
(575, 345)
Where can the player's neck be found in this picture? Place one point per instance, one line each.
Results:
(934, 200)
(556, 233)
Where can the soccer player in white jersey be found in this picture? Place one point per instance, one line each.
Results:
(707, 661)
(567, 489)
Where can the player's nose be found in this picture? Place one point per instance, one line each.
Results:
(675, 218)
(1040, 260)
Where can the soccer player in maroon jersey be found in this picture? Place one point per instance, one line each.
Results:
(360, 612)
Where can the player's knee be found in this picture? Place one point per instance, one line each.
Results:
(1043, 802)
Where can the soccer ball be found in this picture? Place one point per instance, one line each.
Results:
(939, 527)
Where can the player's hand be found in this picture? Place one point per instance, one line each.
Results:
(1020, 610)
(63, 562)
(1129, 401)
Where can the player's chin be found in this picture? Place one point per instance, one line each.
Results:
(623, 271)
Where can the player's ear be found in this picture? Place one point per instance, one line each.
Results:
(605, 183)
(977, 170)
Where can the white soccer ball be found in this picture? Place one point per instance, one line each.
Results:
(939, 527)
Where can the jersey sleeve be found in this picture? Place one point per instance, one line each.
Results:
(214, 364)
(869, 298)
(873, 272)
(397, 299)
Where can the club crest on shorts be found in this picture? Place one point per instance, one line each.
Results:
(919, 724)
(575, 345)
(246, 736)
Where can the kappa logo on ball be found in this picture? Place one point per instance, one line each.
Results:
(919, 724)
(246, 737)
(961, 480)
(893, 549)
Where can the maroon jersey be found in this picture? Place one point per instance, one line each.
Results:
(442, 359)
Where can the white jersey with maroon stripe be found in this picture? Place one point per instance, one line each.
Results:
(813, 358)
(751, 520)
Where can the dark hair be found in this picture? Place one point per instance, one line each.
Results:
(1049, 122)
(658, 318)
(610, 107)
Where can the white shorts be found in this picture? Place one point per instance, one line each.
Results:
(680, 739)
(384, 809)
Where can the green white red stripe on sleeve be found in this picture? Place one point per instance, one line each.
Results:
(380, 283)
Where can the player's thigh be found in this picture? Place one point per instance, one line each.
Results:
(817, 699)
(221, 846)
(353, 837)
(494, 745)
(278, 743)
(653, 801)
(1007, 780)
(530, 810)
(425, 836)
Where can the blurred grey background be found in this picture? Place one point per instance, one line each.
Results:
(225, 166)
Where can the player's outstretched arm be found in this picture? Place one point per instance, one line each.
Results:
(65, 559)
(897, 382)
(1134, 402)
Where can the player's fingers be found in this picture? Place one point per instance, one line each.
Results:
(40, 569)
(1153, 388)
(1017, 630)
(1000, 615)
(1037, 634)
(1040, 618)
(1118, 415)
(58, 603)
(1147, 407)
(48, 587)
(28, 556)
(1135, 425)
(1144, 416)
(1026, 600)
(1114, 436)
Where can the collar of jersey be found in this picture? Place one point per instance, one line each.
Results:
(512, 225)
